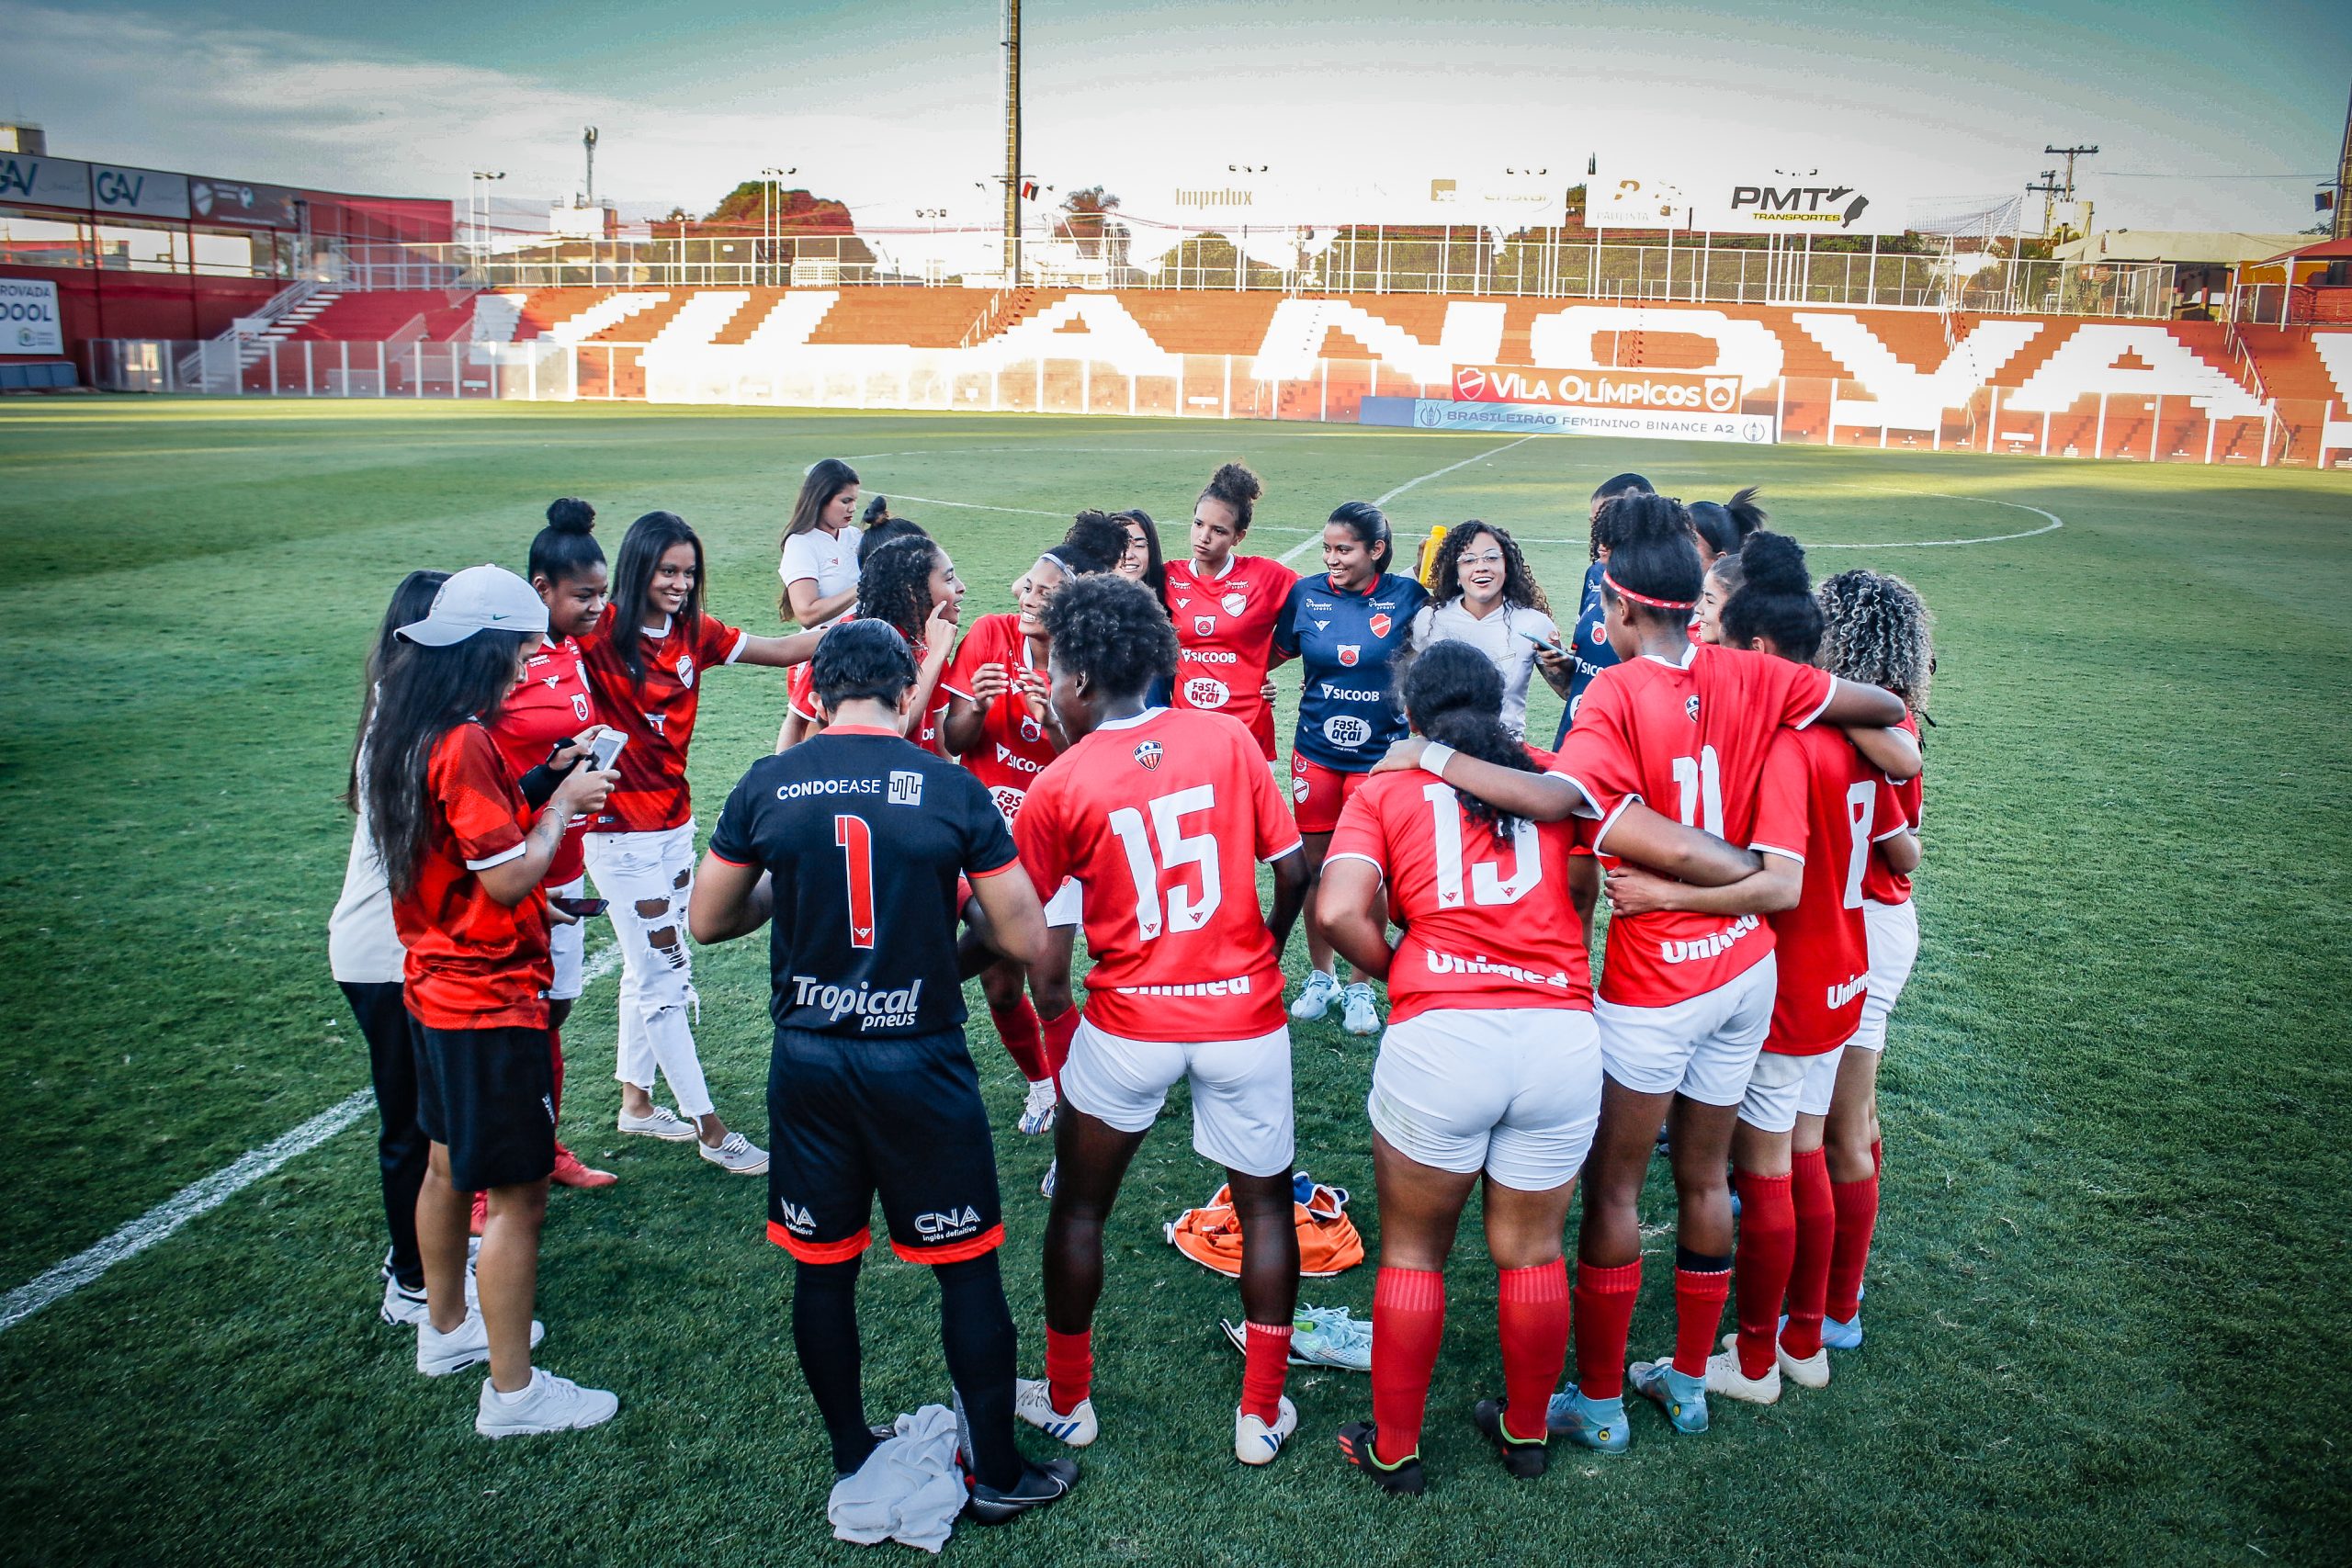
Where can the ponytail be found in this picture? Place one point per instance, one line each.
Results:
(1454, 695)
(1775, 600)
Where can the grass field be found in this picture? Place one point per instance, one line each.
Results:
(2112, 1270)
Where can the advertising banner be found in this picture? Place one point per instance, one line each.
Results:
(1747, 197)
(247, 206)
(1538, 419)
(44, 182)
(145, 192)
(29, 319)
(1678, 390)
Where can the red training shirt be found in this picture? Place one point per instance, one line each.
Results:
(1013, 749)
(550, 704)
(473, 963)
(800, 689)
(1882, 884)
(657, 715)
(1163, 819)
(1824, 947)
(1224, 637)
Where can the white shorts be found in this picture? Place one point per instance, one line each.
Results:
(1514, 1092)
(1068, 906)
(567, 945)
(1894, 946)
(1242, 1107)
(1783, 1087)
(1700, 1048)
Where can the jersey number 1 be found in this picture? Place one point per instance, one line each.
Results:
(1185, 910)
(1699, 782)
(856, 842)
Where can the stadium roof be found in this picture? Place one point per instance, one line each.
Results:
(2208, 249)
(2318, 249)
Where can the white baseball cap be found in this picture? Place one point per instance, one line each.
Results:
(481, 598)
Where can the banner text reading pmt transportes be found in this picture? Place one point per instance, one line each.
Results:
(1523, 419)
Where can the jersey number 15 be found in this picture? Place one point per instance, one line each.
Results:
(1185, 910)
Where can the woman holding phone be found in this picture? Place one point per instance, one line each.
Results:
(1481, 593)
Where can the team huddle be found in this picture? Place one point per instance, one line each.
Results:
(1737, 774)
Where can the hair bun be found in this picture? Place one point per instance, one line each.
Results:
(1235, 485)
(876, 509)
(1774, 563)
(571, 516)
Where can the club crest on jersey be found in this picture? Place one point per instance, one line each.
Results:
(1235, 603)
(1322, 626)
(686, 671)
(1690, 707)
(1205, 626)
(1148, 754)
(656, 720)
(1348, 652)
(1380, 625)
(1031, 730)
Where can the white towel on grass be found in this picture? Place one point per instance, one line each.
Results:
(908, 1490)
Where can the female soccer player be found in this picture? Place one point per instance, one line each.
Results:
(1685, 999)
(365, 953)
(1224, 605)
(1723, 526)
(1481, 593)
(1723, 581)
(1141, 562)
(1490, 1066)
(819, 564)
(1877, 630)
(909, 584)
(645, 660)
(1346, 628)
(1162, 818)
(465, 864)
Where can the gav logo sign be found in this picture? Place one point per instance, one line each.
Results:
(1680, 389)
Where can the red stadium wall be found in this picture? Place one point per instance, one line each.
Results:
(99, 303)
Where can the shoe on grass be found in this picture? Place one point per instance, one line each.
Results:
(1357, 1014)
(1595, 1424)
(735, 1153)
(467, 1345)
(550, 1404)
(1037, 1110)
(1843, 1336)
(1682, 1397)
(1040, 1486)
(1254, 1443)
(1724, 1377)
(1033, 1401)
(1319, 1337)
(1525, 1457)
(1805, 1372)
(569, 1172)
(402, 1308)
(1053, 1173)
(1314, 997)
(658, 1123)
(1403, 1479)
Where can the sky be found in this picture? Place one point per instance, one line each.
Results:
(2207, 116)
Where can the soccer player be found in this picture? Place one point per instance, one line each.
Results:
(1162, 817)
(1877, 630)
(1481, 593)
(910, 583)
(1723, 581)
(1346, 628)
(1723, 526)
(821, 545)
(1224, 605)
(1490, 1066)
(646, 661)
(850, 845)
(466, 864)
(1590, 652)
(1685, 999)
(1142, 561)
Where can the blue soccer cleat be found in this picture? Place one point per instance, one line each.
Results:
(1843, 1336)
(1595, 1424)
(1683, 1398)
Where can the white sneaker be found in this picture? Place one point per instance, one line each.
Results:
(658, 1123)
(467, 1345)
(1811, 1371)
(1724, 1377)
(1037, 1111)
(1033, 1401)
(1314, 997)
(735, 1153)
(1254, 1443)
(1358, 1016)
(402, 1307)
(550, 1404)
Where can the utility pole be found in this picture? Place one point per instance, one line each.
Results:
(2341, 228)
(1012, 141)
(2048, 190)
(2070, 155)
(588, 140)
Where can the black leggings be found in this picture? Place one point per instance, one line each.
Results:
(975, 1327)
(401, 1145)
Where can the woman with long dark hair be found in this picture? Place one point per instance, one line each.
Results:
(821, 545)
(910, 585)
(465, 861)
(1481, 593)
(1346, 628)
(1224, 605)
(647, 661)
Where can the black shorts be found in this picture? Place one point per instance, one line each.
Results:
(488, 1095)
(851, 1119)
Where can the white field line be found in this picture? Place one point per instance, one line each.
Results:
(2052, 526)
(1301, 547)
(203, 1197)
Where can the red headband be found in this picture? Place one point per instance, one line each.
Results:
(1626, 592)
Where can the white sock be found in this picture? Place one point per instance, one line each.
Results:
(519, 1395)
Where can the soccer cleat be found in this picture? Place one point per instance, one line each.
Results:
(1404, 1478)
(1843, 1336)
(1037, 1111)
(1595, 1424)
(1525, 1457)
(550, 1404)
(1724, 1377)
(1321, 1336)
(658, 1123)
(1314, 997)
(1682, 1397)
(1806, 1371)
(1040, 1486)
(1254, 1443)
(1358, 1016)
(735, 1153)
(569, 1172)
(1033, 1401)
(467, 1345)
(881, 1436)
(1046, 1186)
(402, 1307)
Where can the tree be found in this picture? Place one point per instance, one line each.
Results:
(743, 208)
(1086, 217)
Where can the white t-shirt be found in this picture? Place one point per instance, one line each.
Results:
(1497, 637)
(830, 561)
(363, 949)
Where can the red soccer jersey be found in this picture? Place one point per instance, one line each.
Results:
(1013, 749)
(1163, 819)
(1690, 740)
(473, 963)
(1225, 638)
(800, 689)
(1823, 948)
(550, 704)
(1486, 925)
(657, 715)
(1882, 884)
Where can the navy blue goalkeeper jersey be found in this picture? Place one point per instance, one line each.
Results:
(1349, 707)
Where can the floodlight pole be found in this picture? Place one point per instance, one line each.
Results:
(1012, 141)
(2341, 228)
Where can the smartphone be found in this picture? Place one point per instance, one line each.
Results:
(579, 909)
(604, 748)
(1546, 647)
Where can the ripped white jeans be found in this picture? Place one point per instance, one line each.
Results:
(647, 878)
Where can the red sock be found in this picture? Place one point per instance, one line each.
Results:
(1875, 1163)
(1857, 1206)
(1056, 1033)
(1263, 1367)
(1817, 1215)
(1699, 1296)
(1532, 1320)
(1017, 1027)
(1768, 1244)
(1070, 1368)
(1408, 1322)
(1604, 1316)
